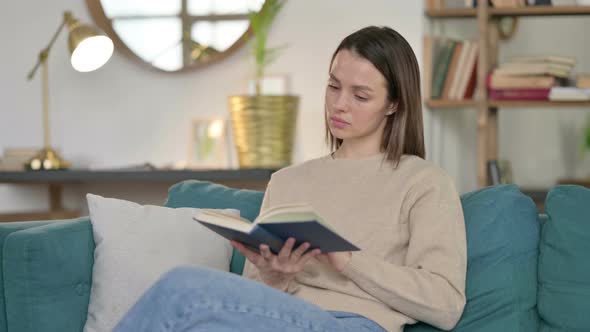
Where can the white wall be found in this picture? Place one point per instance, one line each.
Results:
(126, 114)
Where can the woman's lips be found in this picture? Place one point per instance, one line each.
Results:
(338, 123)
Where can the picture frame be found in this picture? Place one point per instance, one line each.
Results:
(208, 143)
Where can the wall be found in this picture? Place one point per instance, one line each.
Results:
(126, 114)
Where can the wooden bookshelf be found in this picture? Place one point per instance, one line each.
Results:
(519, 11)
(488, 45)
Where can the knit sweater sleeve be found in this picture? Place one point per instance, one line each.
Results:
(250, 271)
(430, 286)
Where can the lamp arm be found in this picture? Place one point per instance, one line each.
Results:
(45, 52)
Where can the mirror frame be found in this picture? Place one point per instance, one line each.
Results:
(102, 21)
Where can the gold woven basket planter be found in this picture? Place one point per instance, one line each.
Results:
(264, 129)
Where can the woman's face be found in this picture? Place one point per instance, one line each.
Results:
(356, 99)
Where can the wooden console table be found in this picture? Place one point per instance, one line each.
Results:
(56, 180)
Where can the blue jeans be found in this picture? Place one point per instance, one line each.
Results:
(200, 299)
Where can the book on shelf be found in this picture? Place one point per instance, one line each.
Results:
(508, 3)
(450, 68)
(452, 71)
(519, 94)
(459, 4)
(441, 66)
(583, 81)
(569, 93)
(274, 226)
(564, 2)
(499, 81)
(529, 68)
(499, 172)
(538, 2)
(555, 59)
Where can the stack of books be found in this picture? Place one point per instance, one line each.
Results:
(529, 77)
(455, 4)
(15, 159)
(450, 68)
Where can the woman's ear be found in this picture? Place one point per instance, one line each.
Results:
(391, 109)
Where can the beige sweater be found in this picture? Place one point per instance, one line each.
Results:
(409, 224)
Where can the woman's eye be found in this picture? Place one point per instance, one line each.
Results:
(361, 98)
(333, 87)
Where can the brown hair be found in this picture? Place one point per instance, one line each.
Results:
(393, 56)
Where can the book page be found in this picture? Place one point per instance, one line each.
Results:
(224, 220)
(292, 213)
(282, 209)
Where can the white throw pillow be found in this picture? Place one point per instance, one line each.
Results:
(135, 245)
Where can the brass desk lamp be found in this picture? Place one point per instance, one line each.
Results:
(90, 49)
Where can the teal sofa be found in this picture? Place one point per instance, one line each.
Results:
(526, 271)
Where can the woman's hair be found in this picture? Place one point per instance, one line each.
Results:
(391, 54)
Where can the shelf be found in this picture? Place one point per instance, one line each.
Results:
(452, 13)
(439, 103)
(518, 11)
(529, 103)
(541, 11)
(81, 176)
(444, 103)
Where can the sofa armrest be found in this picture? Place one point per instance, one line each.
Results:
(5, 230)
(47, 276)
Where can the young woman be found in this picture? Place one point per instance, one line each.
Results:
(376, 189)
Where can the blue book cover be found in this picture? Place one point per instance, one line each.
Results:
(275, 226)
(252, 239)
(310, 231)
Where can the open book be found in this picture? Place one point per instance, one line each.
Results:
(275, 226)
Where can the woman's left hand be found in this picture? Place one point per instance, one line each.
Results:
(337, 260)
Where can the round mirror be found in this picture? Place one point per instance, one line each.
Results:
(175, 35)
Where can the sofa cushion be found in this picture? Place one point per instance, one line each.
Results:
(47, 276)
(203, 194)
(502, 243)
(564, 266)
(136, 245)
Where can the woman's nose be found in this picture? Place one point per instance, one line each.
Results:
(341, 102)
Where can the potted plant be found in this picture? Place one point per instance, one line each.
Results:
(587, 135)
(263, 125)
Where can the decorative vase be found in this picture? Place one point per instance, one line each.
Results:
(264, 129)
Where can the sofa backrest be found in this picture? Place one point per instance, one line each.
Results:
(502, 226)
(202, 194)
(564, 265)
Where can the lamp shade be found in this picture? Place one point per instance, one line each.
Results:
(90, 49)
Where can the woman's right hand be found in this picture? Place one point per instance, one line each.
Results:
(278, 270)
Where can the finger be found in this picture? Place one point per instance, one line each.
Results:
(297, 253)
(285, 252)
(265, 252)
(251, 255)
(311, 254)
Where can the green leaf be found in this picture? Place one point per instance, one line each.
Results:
(260, 23)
